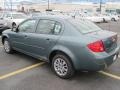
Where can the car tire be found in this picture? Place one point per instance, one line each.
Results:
(62, 66)
(7, 47)
(113, 19)
(104, 20)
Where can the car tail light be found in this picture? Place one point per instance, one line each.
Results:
(97, 46)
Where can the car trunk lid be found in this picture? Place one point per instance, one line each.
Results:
(108, 38)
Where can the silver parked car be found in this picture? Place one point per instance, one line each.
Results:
(14, 18)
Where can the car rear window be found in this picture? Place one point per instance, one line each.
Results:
(84, 26)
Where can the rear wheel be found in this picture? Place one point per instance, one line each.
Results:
(104, 20)
(113, 19)
(62, 66)
(7, 46)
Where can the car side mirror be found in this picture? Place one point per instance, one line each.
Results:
(15, 28)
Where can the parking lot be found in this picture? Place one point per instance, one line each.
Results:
(21, 72)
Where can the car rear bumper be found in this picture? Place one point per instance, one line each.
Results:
(98, 61)
(105, 62)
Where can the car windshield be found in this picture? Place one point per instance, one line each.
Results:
(84, 26)
(19, 16)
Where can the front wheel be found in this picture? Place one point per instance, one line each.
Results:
(62, 66)
(7, 46)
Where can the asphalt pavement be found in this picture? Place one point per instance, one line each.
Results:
(21, 72)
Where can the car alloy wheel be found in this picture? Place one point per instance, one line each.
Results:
(6, 46)
(63, 66)
(60, 66)
(113, 19)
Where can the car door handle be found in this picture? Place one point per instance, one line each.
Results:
(48, 39)
(26, 36)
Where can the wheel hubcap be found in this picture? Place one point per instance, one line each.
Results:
(60, 67)
(6, 46)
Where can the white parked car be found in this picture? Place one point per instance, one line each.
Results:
(93, 18)
(35, 14)
(114, 17)
(14, 18)
(105, 18)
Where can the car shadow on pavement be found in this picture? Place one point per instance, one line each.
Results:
(25, 57)
(79, 75)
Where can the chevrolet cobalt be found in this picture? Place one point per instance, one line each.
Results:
(66, 43)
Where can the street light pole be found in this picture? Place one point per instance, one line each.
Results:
(4, 5)
(48, 4)
(11, 4)
(100, 6)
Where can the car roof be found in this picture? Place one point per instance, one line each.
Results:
(17, 13)
(13, 12)
(60, 17)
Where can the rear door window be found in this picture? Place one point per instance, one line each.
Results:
(48, 27)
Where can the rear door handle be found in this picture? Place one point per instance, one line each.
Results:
(25, 35)
(48, 39)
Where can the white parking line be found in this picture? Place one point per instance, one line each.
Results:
(118, 56)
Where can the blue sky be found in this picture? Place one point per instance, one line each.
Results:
(64, 1)
(58, 1)
(95, 1)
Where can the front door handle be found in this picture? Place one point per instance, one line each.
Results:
(26, 36)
